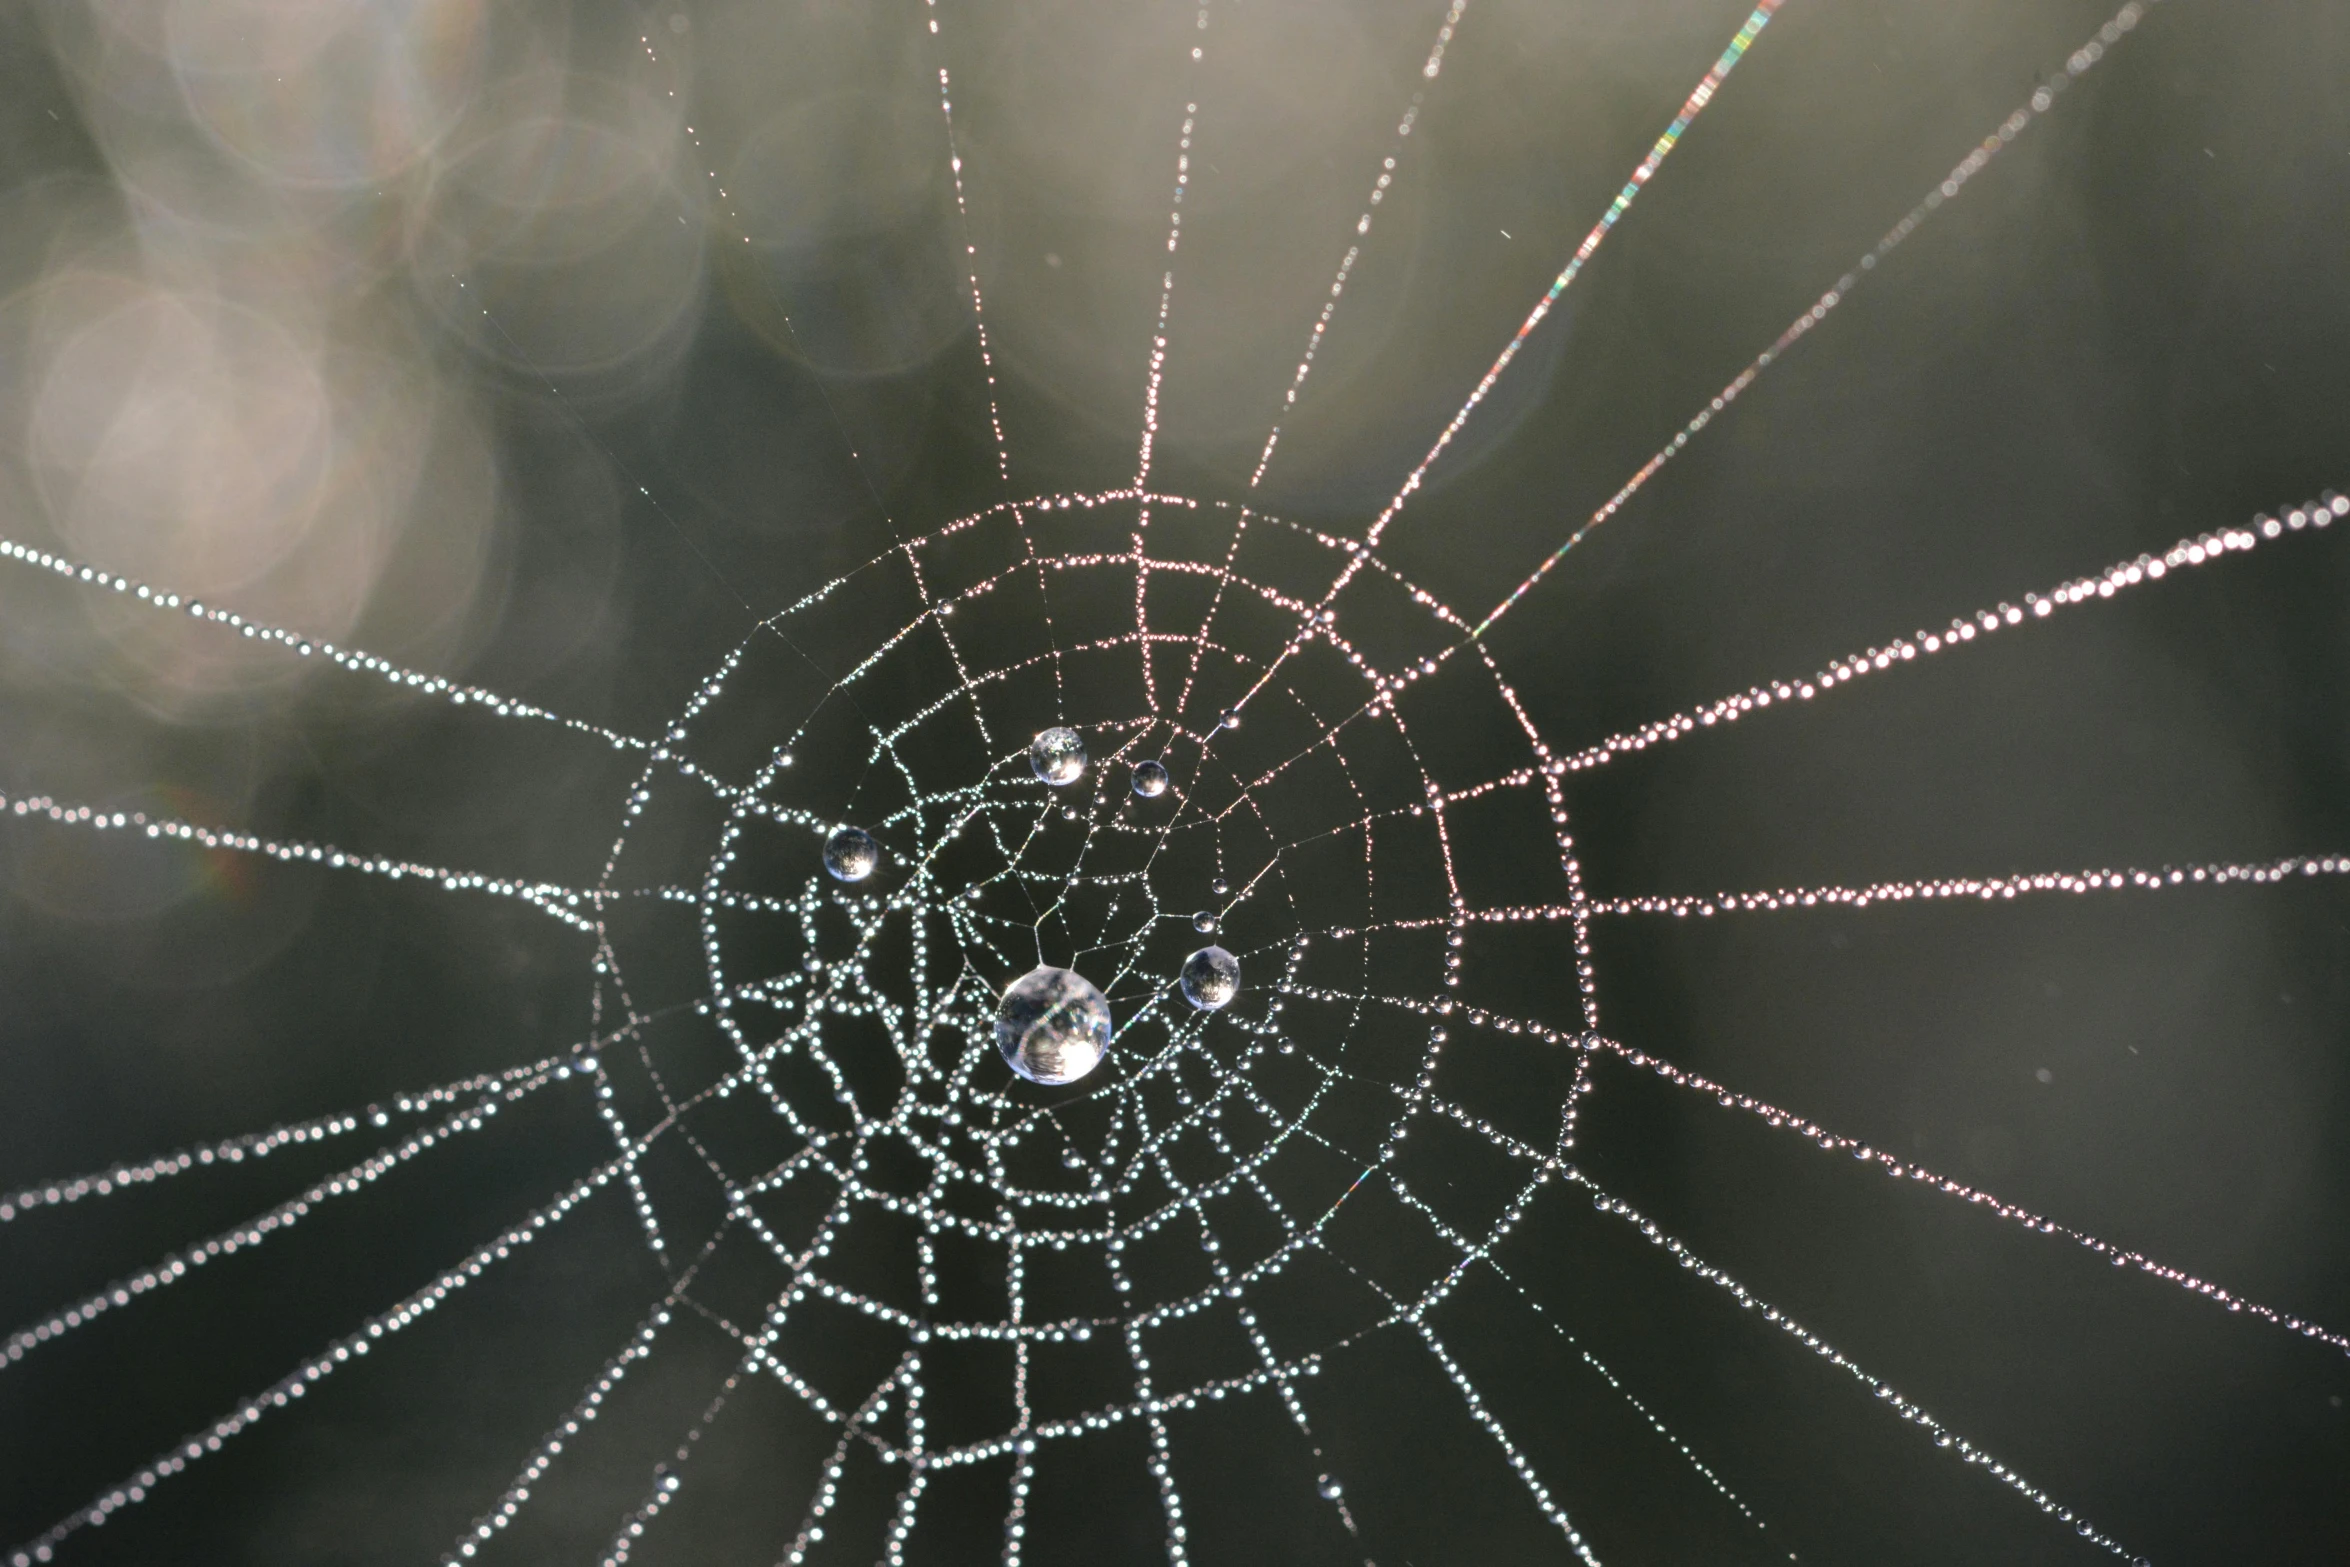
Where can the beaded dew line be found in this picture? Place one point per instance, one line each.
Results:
(1354, 251)
(1472, 1251)
(2043, 98)
(251, 1232)
(289, 1389)
(1962, 631)
(591, 1404)
(2117, 578)
(1824, 1138)
(259, 1145)
(561, 903)
(1907, 1409)
(236, 1150)
(737, 231)
(1156, 375)
(1985, 888)
(354, 659)
(1905, 1170)
(1699, 97)
(946, 109)
(1688, 1454)
(1158, 355)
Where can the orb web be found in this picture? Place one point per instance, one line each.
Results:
(927, 1088)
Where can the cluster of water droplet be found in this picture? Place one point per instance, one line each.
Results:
(1053, 1025)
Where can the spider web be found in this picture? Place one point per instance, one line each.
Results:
(972, 1288)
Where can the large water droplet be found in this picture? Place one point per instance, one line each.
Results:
(1211, 977)
(1150, 779)
(1052, 1026)
(1058, 755)
(851, 854)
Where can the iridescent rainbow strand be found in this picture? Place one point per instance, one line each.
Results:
(1657, 154)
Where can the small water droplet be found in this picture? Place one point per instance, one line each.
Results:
(1053, 1026)
(1058, 755)
(1211, 978)
(851, 854)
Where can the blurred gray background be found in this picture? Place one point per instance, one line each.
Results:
(458, 332)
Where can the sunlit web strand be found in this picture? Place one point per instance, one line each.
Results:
(231, 1150)
(138, 1485)
(1472, 1252)
(561, 903)
(510, 1504)
(946, 109)
(822, 383)
(1519, 1464)
(1412, 1313)
(669, 1477)
(1694, 106)
(119, 1178)
(248, 1233)
(917, 900)
(1984, 888)
(989, 1448)
(1824, 1138)
(2041, 101)
(1156, 374)
(1910, 1411)
(354, 659)
(936, 613)
(828, 1486)
(913, 1388)
(1906, 1408)
(1415, 1313)
(1158, 355)
(2079, 62)
(1354, 251)
(1224, 576)
(1266, 1356)
(386, 1323)
(1961, 631)
(1641, 173)
(2114, 579)
(1688, 1454)
(1900, 1169)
